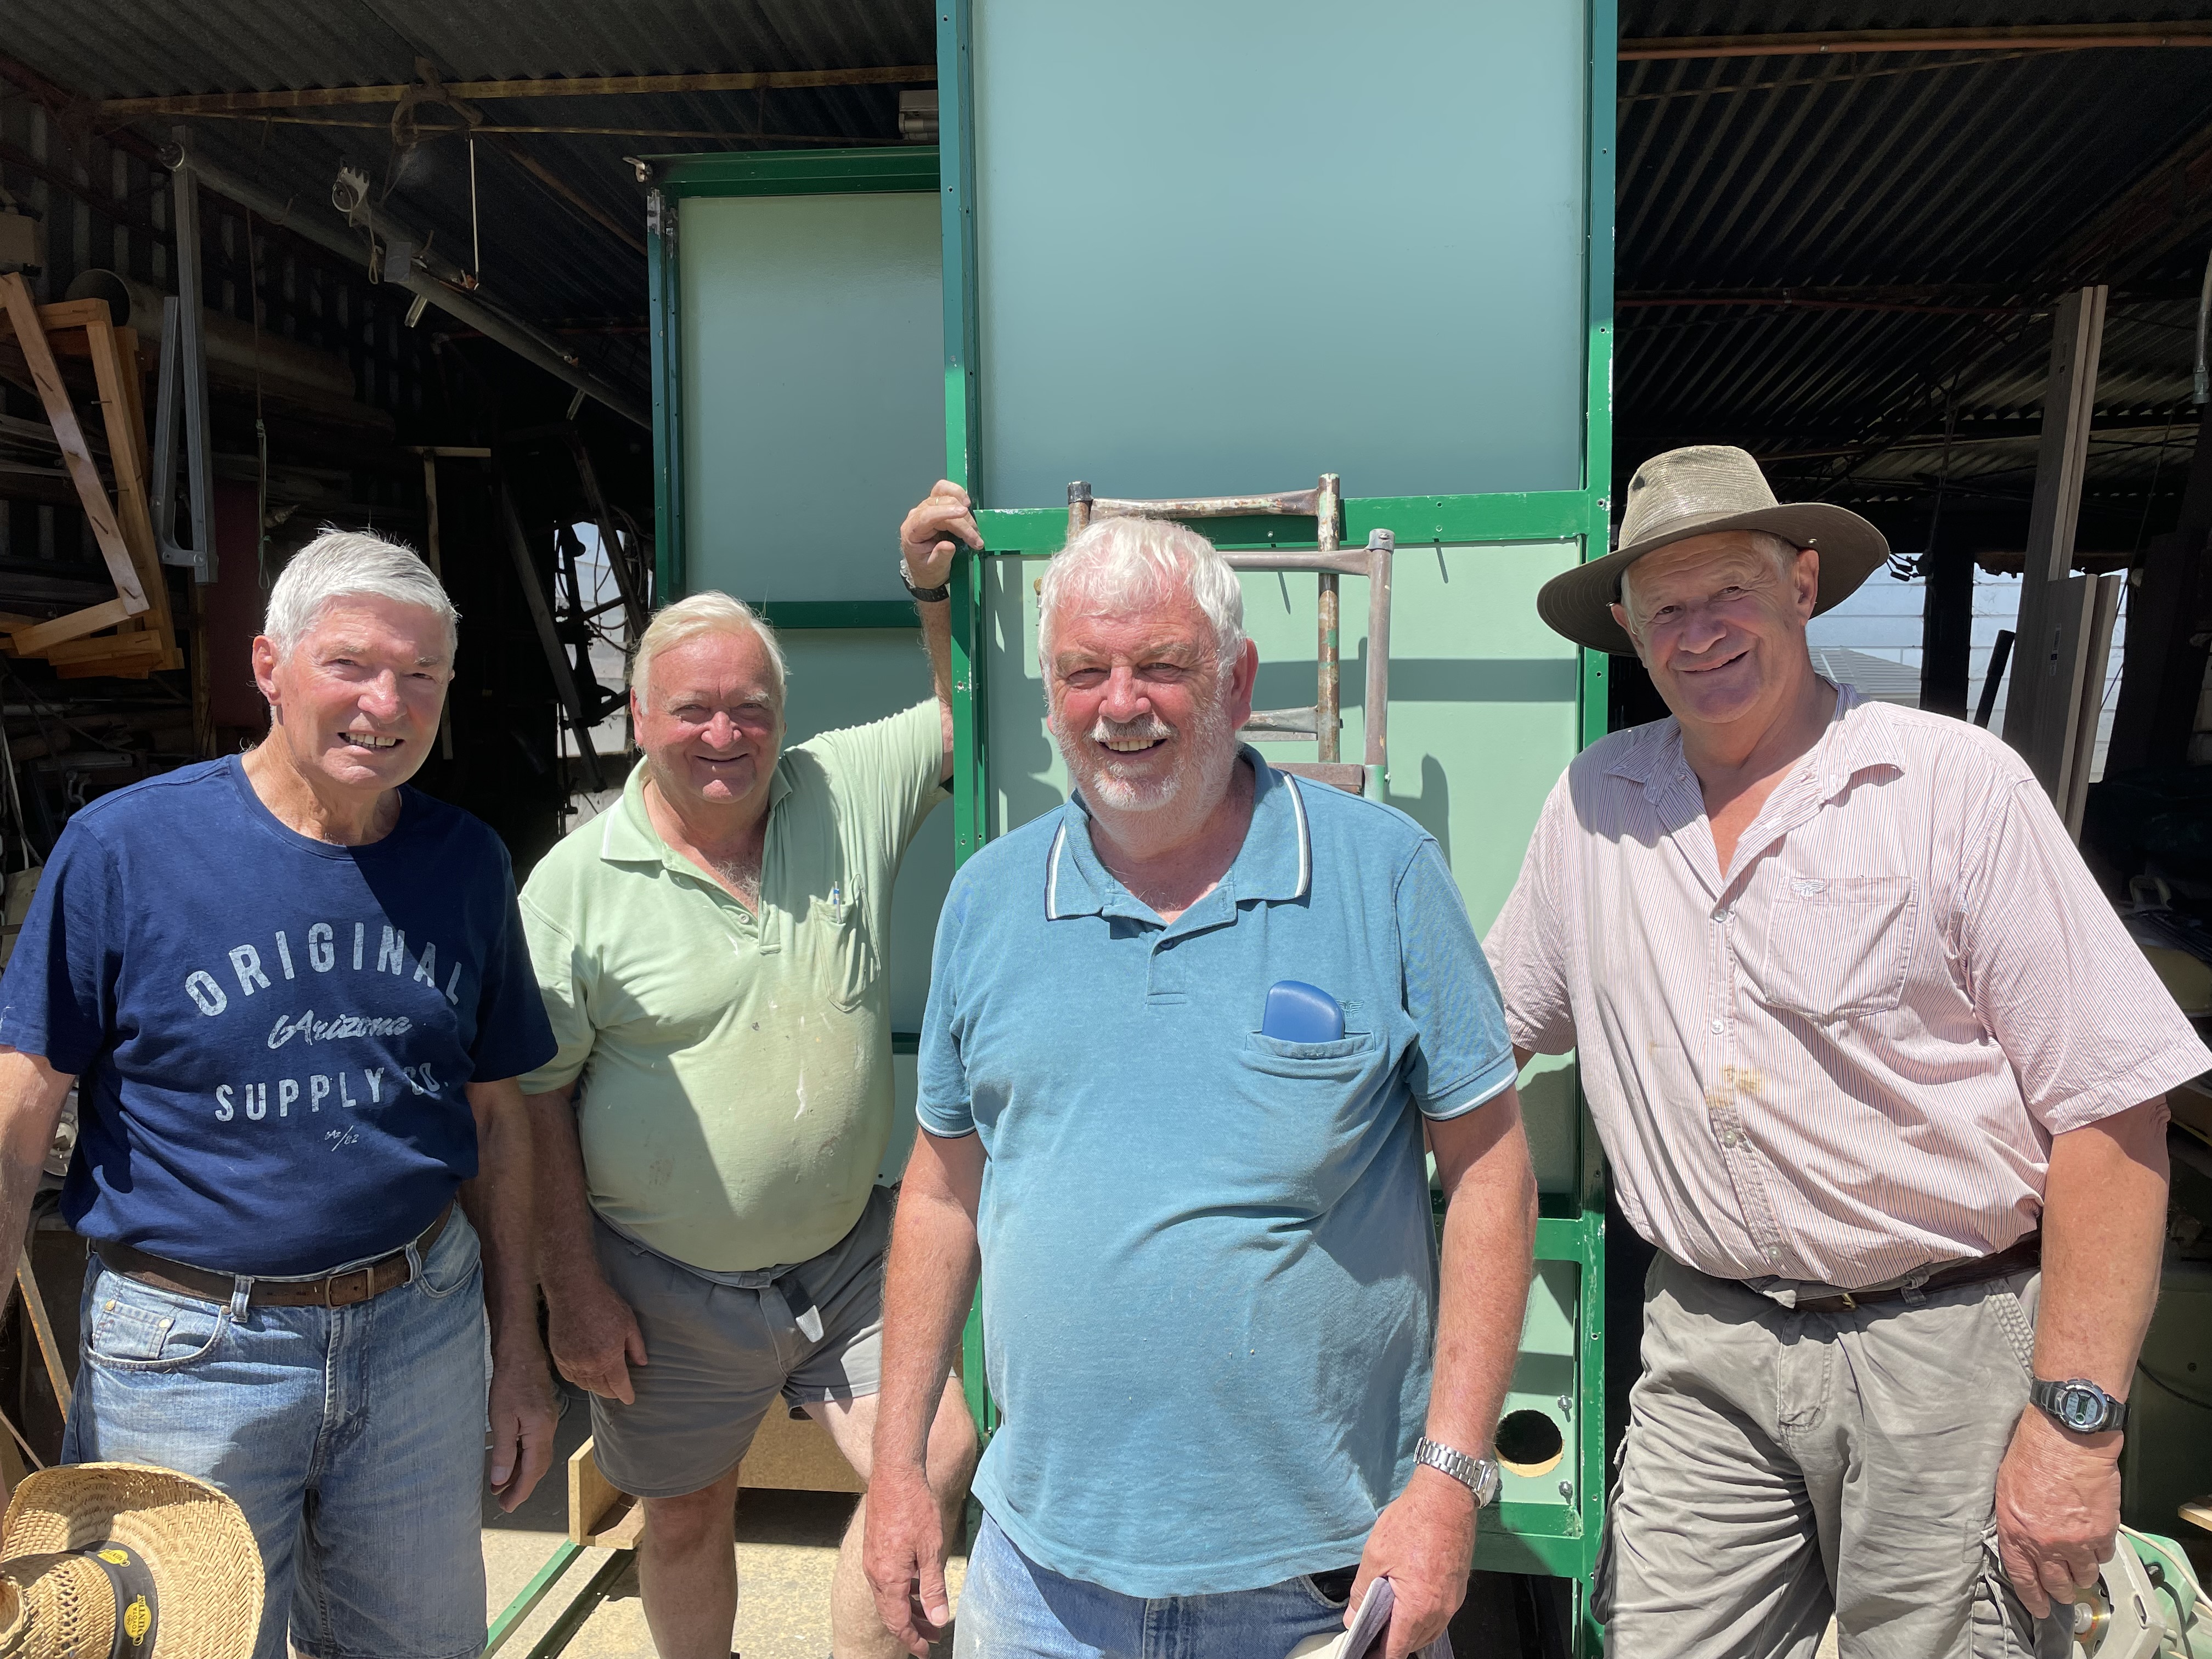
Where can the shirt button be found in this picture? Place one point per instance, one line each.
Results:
(1719, 1026)
(1722, 916)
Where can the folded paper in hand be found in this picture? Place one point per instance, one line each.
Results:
(1364, 1639)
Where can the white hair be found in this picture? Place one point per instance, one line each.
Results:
(341, 564)
(710, 612)
(1133, 564)
(1783, 552)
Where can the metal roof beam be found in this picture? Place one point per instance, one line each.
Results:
(2054, 37)
(223, 103)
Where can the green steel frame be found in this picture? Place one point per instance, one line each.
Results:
(759, 173)
(1520, 1537)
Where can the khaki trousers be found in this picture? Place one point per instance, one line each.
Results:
(1780, 1467)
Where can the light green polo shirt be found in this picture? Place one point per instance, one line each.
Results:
(736, 1094)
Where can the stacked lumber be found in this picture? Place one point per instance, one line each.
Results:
(133, 635)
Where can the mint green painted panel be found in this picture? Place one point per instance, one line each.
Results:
(1543, 1377)
(1482, 722)
(813, 384)
(1227, 247)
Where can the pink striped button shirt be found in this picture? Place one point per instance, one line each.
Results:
(1843, 1059)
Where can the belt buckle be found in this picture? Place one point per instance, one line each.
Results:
(1850, 1302)
(331, 1286)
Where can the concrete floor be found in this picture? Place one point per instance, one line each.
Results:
(787, 1550)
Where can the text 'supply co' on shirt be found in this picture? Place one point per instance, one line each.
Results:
(273, 1035)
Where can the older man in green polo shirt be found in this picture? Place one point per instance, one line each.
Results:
(711, 953)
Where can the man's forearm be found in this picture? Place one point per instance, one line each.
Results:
(497, 1203)
(929, 1285)
(1489, 1240)
(2104, 1233)
(31, 1096)
(937, 639)
(564, 1205)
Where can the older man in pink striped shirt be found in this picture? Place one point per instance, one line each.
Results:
(1883, 1079)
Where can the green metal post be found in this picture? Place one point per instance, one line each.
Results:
(955, 128)
(660, 282)
(1589, 1637)
(563, 1630)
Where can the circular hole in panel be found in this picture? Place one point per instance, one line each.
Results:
(1530, 1444)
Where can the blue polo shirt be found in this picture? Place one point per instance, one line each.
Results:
(1209, 1272)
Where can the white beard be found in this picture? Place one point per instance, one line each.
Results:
(1105, 780)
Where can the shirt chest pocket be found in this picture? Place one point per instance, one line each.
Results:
(1836, 946)
(841, 955)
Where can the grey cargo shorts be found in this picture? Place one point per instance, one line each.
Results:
(719, 1356)
(1780, 1467)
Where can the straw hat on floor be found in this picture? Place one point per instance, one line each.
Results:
(100, 1559)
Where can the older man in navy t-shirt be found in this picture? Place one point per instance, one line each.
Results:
(1233, 1395)
(296, 995)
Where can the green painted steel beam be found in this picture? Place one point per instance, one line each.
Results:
(841, 613)
(1534, 1538)
(755, 173)
(510, 1619)
(663, 352)
(795, 173)
(563, 1630)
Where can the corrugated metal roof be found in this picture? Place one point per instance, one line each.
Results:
(541, 257)
(1947, 187)
(1946, 182)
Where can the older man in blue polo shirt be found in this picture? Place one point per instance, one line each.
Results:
(1210, 1273)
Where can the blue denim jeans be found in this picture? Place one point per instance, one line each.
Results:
(1013, 1608)
(352, 1437)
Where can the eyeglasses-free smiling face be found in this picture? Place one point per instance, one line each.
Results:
(1720, 625)
(710, 721)
(356, 702)
(1140, 706)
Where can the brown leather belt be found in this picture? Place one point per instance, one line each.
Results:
(373, 1279)
(2016, 1257)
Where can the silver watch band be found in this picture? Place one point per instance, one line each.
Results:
(1478, 1474)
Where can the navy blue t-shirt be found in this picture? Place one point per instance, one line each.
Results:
(271, 1034)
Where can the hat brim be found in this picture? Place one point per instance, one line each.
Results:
(1578, 603)
(196, 1541)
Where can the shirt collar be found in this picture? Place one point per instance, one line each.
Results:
(1275, 863)
(1857, 740)
(626, 831)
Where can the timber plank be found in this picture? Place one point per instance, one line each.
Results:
(30, 335)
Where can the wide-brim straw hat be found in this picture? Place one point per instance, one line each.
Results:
(89, 1550)
(1700, 491)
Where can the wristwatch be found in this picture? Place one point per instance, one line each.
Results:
(2079, 1404)
(1478, 1474)
(936, 595)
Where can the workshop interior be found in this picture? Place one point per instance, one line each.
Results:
(597, 308)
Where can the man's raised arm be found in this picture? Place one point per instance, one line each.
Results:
(928, 1286)
(926, 548)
